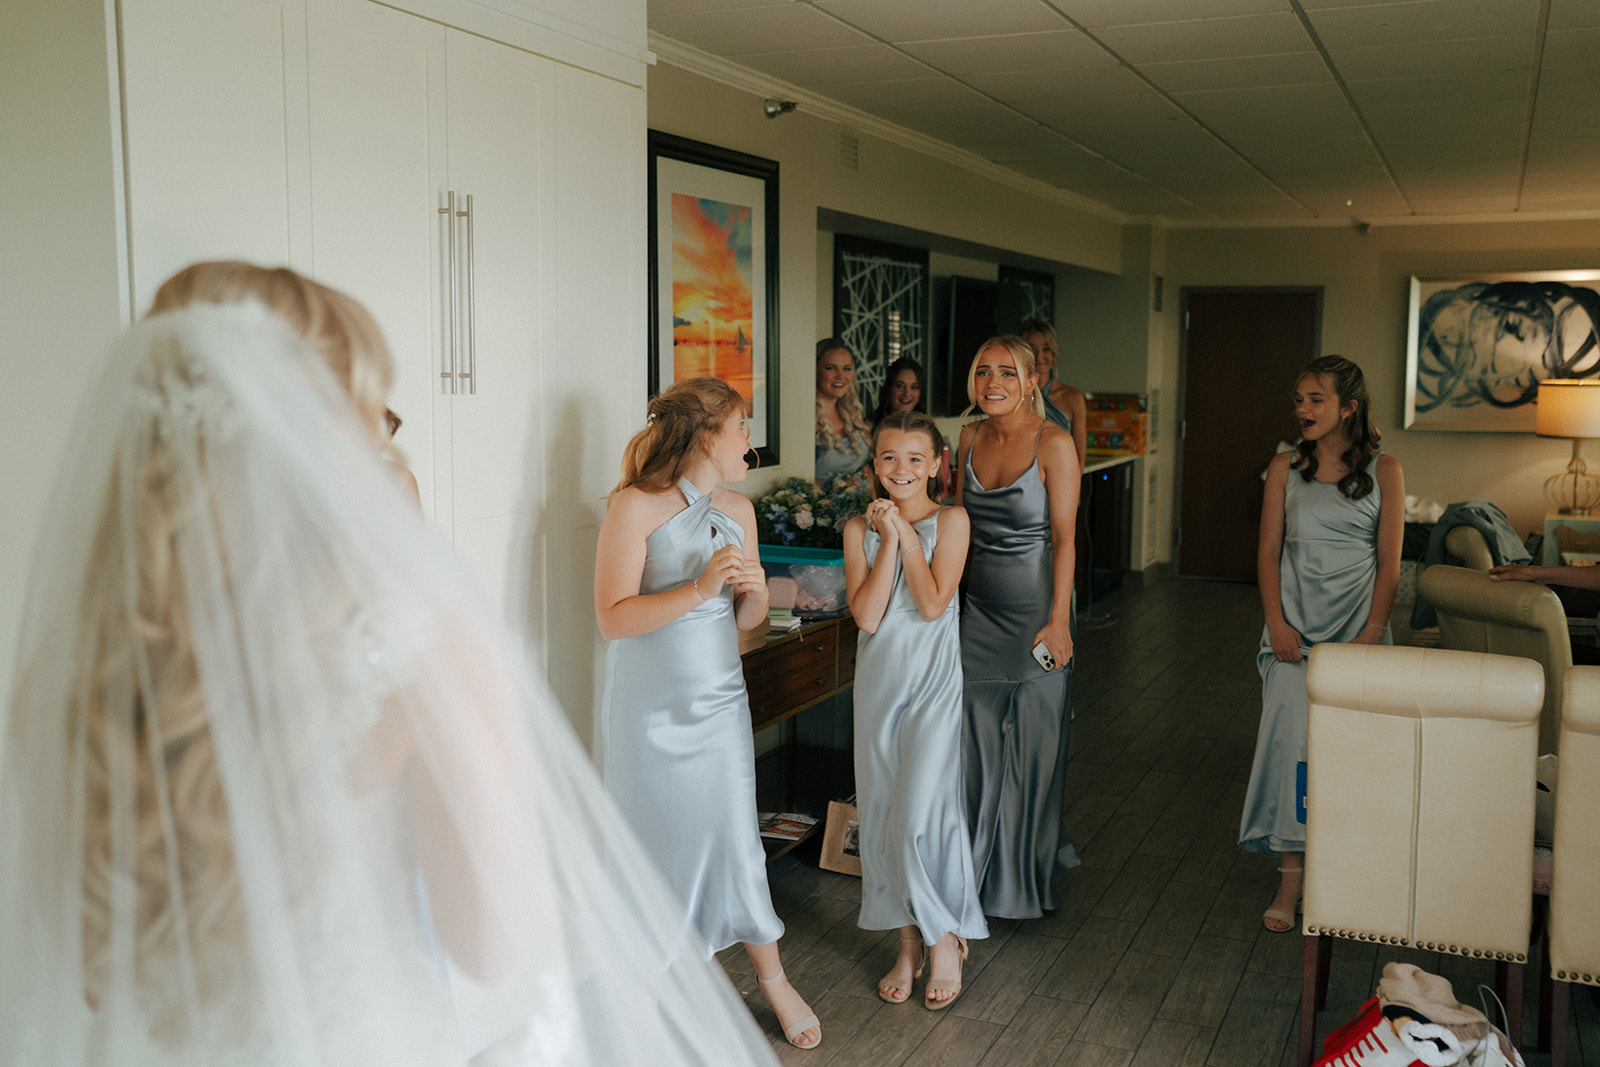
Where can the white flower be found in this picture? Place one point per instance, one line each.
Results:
(803, 519)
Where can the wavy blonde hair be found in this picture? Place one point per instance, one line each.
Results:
(145, 724)
(851, 411)
(680, 421)
(1020, 351)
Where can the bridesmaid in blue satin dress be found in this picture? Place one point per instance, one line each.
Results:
(1018, 595)
(1328, 563)
(903, 562)
(1064, 405)
(677, 575)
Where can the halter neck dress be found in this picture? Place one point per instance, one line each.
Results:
(1017, 715)
(679, 755)
(916, 854)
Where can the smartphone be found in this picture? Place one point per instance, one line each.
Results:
(1043, 656)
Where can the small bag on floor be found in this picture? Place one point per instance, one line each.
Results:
(841, 839)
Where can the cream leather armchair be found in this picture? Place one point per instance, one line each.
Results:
(1479, 614)
(1419, 809)
(1575, 884)
(1467, 544)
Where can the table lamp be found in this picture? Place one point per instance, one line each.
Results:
(1570, 408)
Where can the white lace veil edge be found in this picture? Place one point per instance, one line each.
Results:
(277, 787)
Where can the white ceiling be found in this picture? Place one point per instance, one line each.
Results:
(1205, 110)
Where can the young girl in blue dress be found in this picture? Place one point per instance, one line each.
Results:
(1328, 564)
(903, 562)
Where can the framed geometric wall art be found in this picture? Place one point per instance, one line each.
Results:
(713, 243)
(1480, 344)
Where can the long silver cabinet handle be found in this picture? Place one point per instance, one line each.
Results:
(470, 375)
(447, 373)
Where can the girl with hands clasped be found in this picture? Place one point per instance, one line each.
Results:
(1328, 565)
(1019, 478)
(677, 575)
(903, 561)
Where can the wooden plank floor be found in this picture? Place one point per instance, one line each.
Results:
(1158, 957)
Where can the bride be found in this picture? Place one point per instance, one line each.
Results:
(275, 786)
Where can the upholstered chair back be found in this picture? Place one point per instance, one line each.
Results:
(1575, 882)
(1466, 543)
(1479, 614)
(1419, 799)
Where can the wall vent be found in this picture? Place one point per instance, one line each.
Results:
(849, 150)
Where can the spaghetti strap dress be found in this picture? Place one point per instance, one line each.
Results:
(916, 855)
(1326, 576)
(679, 754)
(1017, 715)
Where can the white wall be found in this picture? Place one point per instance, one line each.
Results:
(1365, 281)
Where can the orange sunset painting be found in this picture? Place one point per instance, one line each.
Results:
(713, 320)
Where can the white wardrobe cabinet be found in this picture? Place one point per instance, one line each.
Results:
(347, 139)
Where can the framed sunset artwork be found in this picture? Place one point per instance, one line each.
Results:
(714, 274)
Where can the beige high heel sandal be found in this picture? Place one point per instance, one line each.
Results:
(945, 985)
(794, 1029)
(1277, 920)
(900, 985)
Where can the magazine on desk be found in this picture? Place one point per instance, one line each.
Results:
(785, 825)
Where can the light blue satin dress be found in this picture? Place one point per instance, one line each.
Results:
(848, 457)
(1017, 715)
(916, 855)
(679, 755)
(1326, 576)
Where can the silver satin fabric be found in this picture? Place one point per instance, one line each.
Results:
(679, 755)
(847, 458)
(916, 855)
(1054, 412)
(1326, 573)
(1017, 715)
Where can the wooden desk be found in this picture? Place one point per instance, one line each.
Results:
(785, 676)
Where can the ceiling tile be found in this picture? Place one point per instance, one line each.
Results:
(878, 96)
(932, 20)
(1053, 87)
(689, 7)
(1225, 38)
(757, 31)
(1253, 103)
(1096, 14)
(1058, 50)
(1564, 152)
(1240, 72)
(1444, 89)
(1566, 106)
(1572, 48)
(1489, 121)
(1420, 58)
(1081, 170)
(827, 66)
(1426, 20)
(1574, 15)
(976, 128)
(1464, 205)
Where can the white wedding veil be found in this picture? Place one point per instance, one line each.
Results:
(272, 770)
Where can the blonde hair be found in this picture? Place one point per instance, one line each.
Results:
(341, 331)
(141, 700)
(851, 411)
(1037, 325)
(1023, 354)
(679, 421)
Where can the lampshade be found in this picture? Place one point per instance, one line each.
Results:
(1568, 408)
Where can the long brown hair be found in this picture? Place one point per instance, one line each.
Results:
(1349, 386)
(680, 420)
(912, 422)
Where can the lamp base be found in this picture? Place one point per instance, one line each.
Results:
(1573, 492)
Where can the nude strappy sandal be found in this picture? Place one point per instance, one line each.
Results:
(900, 985)
(945, 985)
(794, 1029)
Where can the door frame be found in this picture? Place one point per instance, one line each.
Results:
(1184, 293)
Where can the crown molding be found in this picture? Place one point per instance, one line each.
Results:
(687, 57)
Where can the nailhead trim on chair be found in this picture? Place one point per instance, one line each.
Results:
(1574, 976)
(1431, 946)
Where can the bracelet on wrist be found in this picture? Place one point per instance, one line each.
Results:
(697, 592)
(914, 547)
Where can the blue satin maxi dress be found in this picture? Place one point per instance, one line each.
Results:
(916, 855)
(1017, 715)
(1326, 576)
(679, 755)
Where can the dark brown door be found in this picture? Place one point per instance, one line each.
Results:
(1241, 352)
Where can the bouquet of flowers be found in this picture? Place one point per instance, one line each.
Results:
(811, 514)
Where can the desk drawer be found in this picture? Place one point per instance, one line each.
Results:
(794, 673)
(847, 651)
